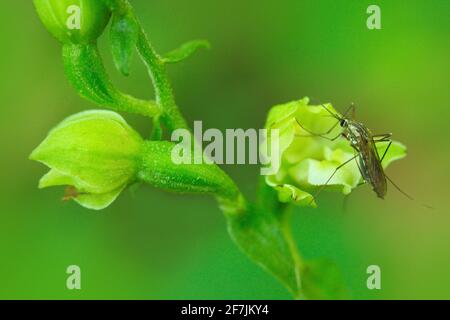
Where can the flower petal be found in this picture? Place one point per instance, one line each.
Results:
(396, 151)
(56, 178)
(288, 192)
(98, 201)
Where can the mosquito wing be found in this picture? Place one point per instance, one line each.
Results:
(375, 170)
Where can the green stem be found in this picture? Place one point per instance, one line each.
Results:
(268, 199)
(171, 116)
(250, 229)
(158, 169)
(298, 261)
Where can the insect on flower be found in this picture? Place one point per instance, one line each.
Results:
(366, 155)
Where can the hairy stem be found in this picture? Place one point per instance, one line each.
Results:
(171, 116)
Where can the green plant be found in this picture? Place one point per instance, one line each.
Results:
(80, 155)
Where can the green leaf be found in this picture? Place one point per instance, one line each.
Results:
(117, 6)
(85, 71)
(261, 236)
(185, 51)
(322, 280)
(123, 36)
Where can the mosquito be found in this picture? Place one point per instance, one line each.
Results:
(366, 155)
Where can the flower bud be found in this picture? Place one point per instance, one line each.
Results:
(73, 21)
(124, 37)
(96, 153)
(308, 161)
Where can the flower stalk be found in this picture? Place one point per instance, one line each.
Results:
(80, 155)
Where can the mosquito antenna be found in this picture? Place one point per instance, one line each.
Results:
(398, 188)
(332, 113)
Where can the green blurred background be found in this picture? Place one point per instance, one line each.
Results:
(154, 245)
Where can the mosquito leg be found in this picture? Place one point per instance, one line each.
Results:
(386, 151)
(382, 137)
(322, 135)
(405, 194)
(329, 130)
(331, 177)
(317, 134)
(398, 188)
(360, 171)
(385, 137)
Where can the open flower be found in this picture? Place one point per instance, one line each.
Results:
(95, 153)
(308, 161)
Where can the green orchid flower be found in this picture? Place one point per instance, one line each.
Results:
(97, 155)
(95, 152)
(307, 161)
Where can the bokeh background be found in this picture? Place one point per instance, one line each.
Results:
(154, 245)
